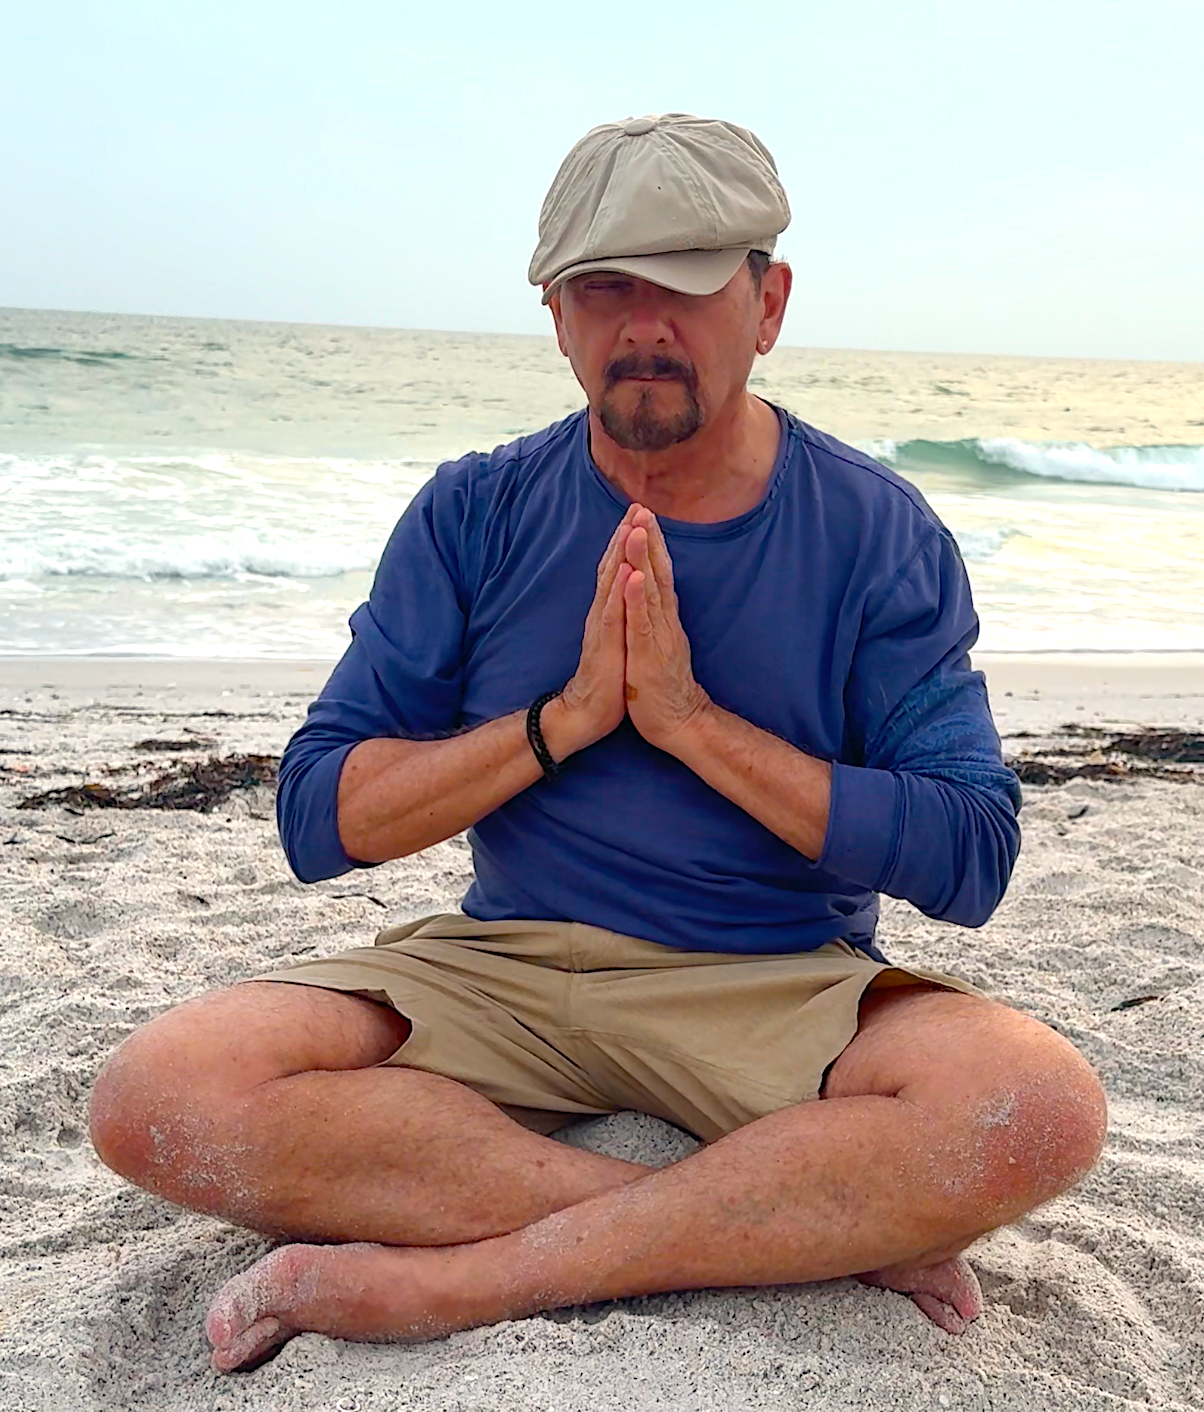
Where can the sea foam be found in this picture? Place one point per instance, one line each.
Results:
(1177, 468)
(1150, 467)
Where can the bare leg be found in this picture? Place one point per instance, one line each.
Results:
(968, 1116)
(259, 1104)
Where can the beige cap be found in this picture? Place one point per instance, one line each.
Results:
(670, 198)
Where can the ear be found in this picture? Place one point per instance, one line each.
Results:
(558, 320)
(775, 295)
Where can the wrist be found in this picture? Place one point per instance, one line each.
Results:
(561, 733)
(689, 741)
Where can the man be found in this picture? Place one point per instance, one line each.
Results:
(696, 675)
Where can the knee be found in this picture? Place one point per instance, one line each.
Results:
(123, 1107)
(1037, 1134)
(145, 1104)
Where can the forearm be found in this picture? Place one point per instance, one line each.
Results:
(781, 787)
(396, 797)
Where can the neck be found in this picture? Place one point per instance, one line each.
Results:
(719, 473)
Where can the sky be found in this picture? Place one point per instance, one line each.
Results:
(979, 176)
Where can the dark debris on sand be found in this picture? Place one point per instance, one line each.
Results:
(1089, 752)
(1078, 752)
(159, 747)
(200, 785)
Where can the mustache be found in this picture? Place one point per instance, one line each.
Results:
(632, 365)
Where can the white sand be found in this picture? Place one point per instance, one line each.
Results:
(1096, 1301)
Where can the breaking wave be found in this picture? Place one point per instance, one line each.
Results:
(1177, 468)
(205, 516)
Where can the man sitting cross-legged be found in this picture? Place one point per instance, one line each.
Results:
(696, 675)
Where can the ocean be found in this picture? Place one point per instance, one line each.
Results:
(201, 488)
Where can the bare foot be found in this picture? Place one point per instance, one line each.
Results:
(383, 1293)
(369, 1293)
(948, 1292)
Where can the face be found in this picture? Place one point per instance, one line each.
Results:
(656, 366)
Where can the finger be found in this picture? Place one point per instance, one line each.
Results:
(606, 626)
(614, 546)
(658, 552)
(639, 557)
(610, 561)
(622, 530)
(639, 621)
(614, 611)
(629, 516)
(654, 586)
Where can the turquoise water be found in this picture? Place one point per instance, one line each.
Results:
(198, 488)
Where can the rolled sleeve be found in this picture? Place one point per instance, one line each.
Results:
(307, 812)
(863, 825)
(923, 807)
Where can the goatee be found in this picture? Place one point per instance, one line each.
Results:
(644, 428)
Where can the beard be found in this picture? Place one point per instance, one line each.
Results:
(644, 427)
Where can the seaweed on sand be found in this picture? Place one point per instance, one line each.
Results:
(200, 785)
(1105, 755)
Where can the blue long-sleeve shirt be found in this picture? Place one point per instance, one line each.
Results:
(835, 614)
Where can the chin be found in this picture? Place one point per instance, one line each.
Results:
(633, 393)
(649, 416)
(644, 432)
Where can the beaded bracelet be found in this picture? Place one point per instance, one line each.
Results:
(549, 766)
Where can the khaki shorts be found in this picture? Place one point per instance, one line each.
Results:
(563, 1019)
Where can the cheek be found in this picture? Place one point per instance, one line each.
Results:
(588, 355)
(585, 363)
(718, 369)
(722, 348)
(732, 355)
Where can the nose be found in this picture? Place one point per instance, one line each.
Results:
(648, 324)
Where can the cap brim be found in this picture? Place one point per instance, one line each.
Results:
(686, 271)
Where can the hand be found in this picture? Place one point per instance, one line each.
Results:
(593, 703)
(662, 695)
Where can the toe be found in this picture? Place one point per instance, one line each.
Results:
(256, 1310)
(250, 1347)
(955, 1284)
(232, 1312)
(948, 1292)
(943, 1315)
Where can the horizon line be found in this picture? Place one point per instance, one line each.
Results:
(547, 337)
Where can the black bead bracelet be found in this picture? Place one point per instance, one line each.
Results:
(549, 766)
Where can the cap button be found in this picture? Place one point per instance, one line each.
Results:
(637, 127)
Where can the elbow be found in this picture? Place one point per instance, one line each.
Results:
(307, 824)
(303, 869)
(973, 903)
(982, 871)
(306, 864)
(975, 910)
(311, 865)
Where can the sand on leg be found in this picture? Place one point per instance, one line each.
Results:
(946, 1117)
(261, 1104)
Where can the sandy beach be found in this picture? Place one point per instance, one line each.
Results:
(1095, 1301)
